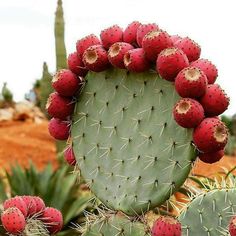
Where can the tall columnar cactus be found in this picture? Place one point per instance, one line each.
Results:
(60, 50)
(59, 37)
(131, 134)
(45, 87)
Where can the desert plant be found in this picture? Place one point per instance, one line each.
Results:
(133, 137)
(45, 87)
(58, 187)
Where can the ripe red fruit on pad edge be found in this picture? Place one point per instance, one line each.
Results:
(208, 68)
(189, 47)
(170, 62)
(166, 226)
(116, 54)
(76, 65)
(31, 205)
(191, 82)
(214, 101)
(188, 113)
(95, 58)
(85, 43)
(59, 107)
(53, 219)
(143, 29)
(130, 33)
(70, 156)
(211, 157)
(232, 226)
(154, 42)
(13, 221)
(111, 35)
(17, 202)
(59, 129)
(136, 61)
(65, 82)
(210, 135)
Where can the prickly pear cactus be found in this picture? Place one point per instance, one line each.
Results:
(116, 225)
(209, 213)
(126, 142)
(36, 228)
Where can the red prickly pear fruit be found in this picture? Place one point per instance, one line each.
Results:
(210, 135)
(13, 221)
(154, 42)
(111, 35)
(175, 38)
(232, 226)
(39, 203)
(136, 61)
(130, 33)
(188, 113)
(208, 68)
(95, 58)
(214, 101)
(65, 83)
(59, 107)
(59, 129)
(191, 82)
(143, 29)
(116, 54)
(31, 205)
(17, 202)
(166, 226)
(70, 156)
(85, 43)
(211, 157)
(170, 62)
(189, 47)
(76, 65)
(53, 219)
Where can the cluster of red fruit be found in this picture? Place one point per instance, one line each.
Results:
(139, 48)
(21, 209)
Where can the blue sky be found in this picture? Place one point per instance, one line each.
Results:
(27, 39)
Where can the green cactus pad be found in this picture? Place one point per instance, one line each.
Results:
(126, 142)
(116, 226)
(35, 228)
(209, 214)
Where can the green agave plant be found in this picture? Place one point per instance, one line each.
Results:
(59, 188)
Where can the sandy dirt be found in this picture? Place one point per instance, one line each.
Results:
(24, 141)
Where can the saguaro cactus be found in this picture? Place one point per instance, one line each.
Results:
(59, 37)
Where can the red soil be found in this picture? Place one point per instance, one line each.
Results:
(21, 142)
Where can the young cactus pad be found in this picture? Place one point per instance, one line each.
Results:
(116, 225)
(209, 214)
(127, 145)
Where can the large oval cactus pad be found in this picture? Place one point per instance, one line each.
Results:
(209, 214)
(127, 144)
(116, 225)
